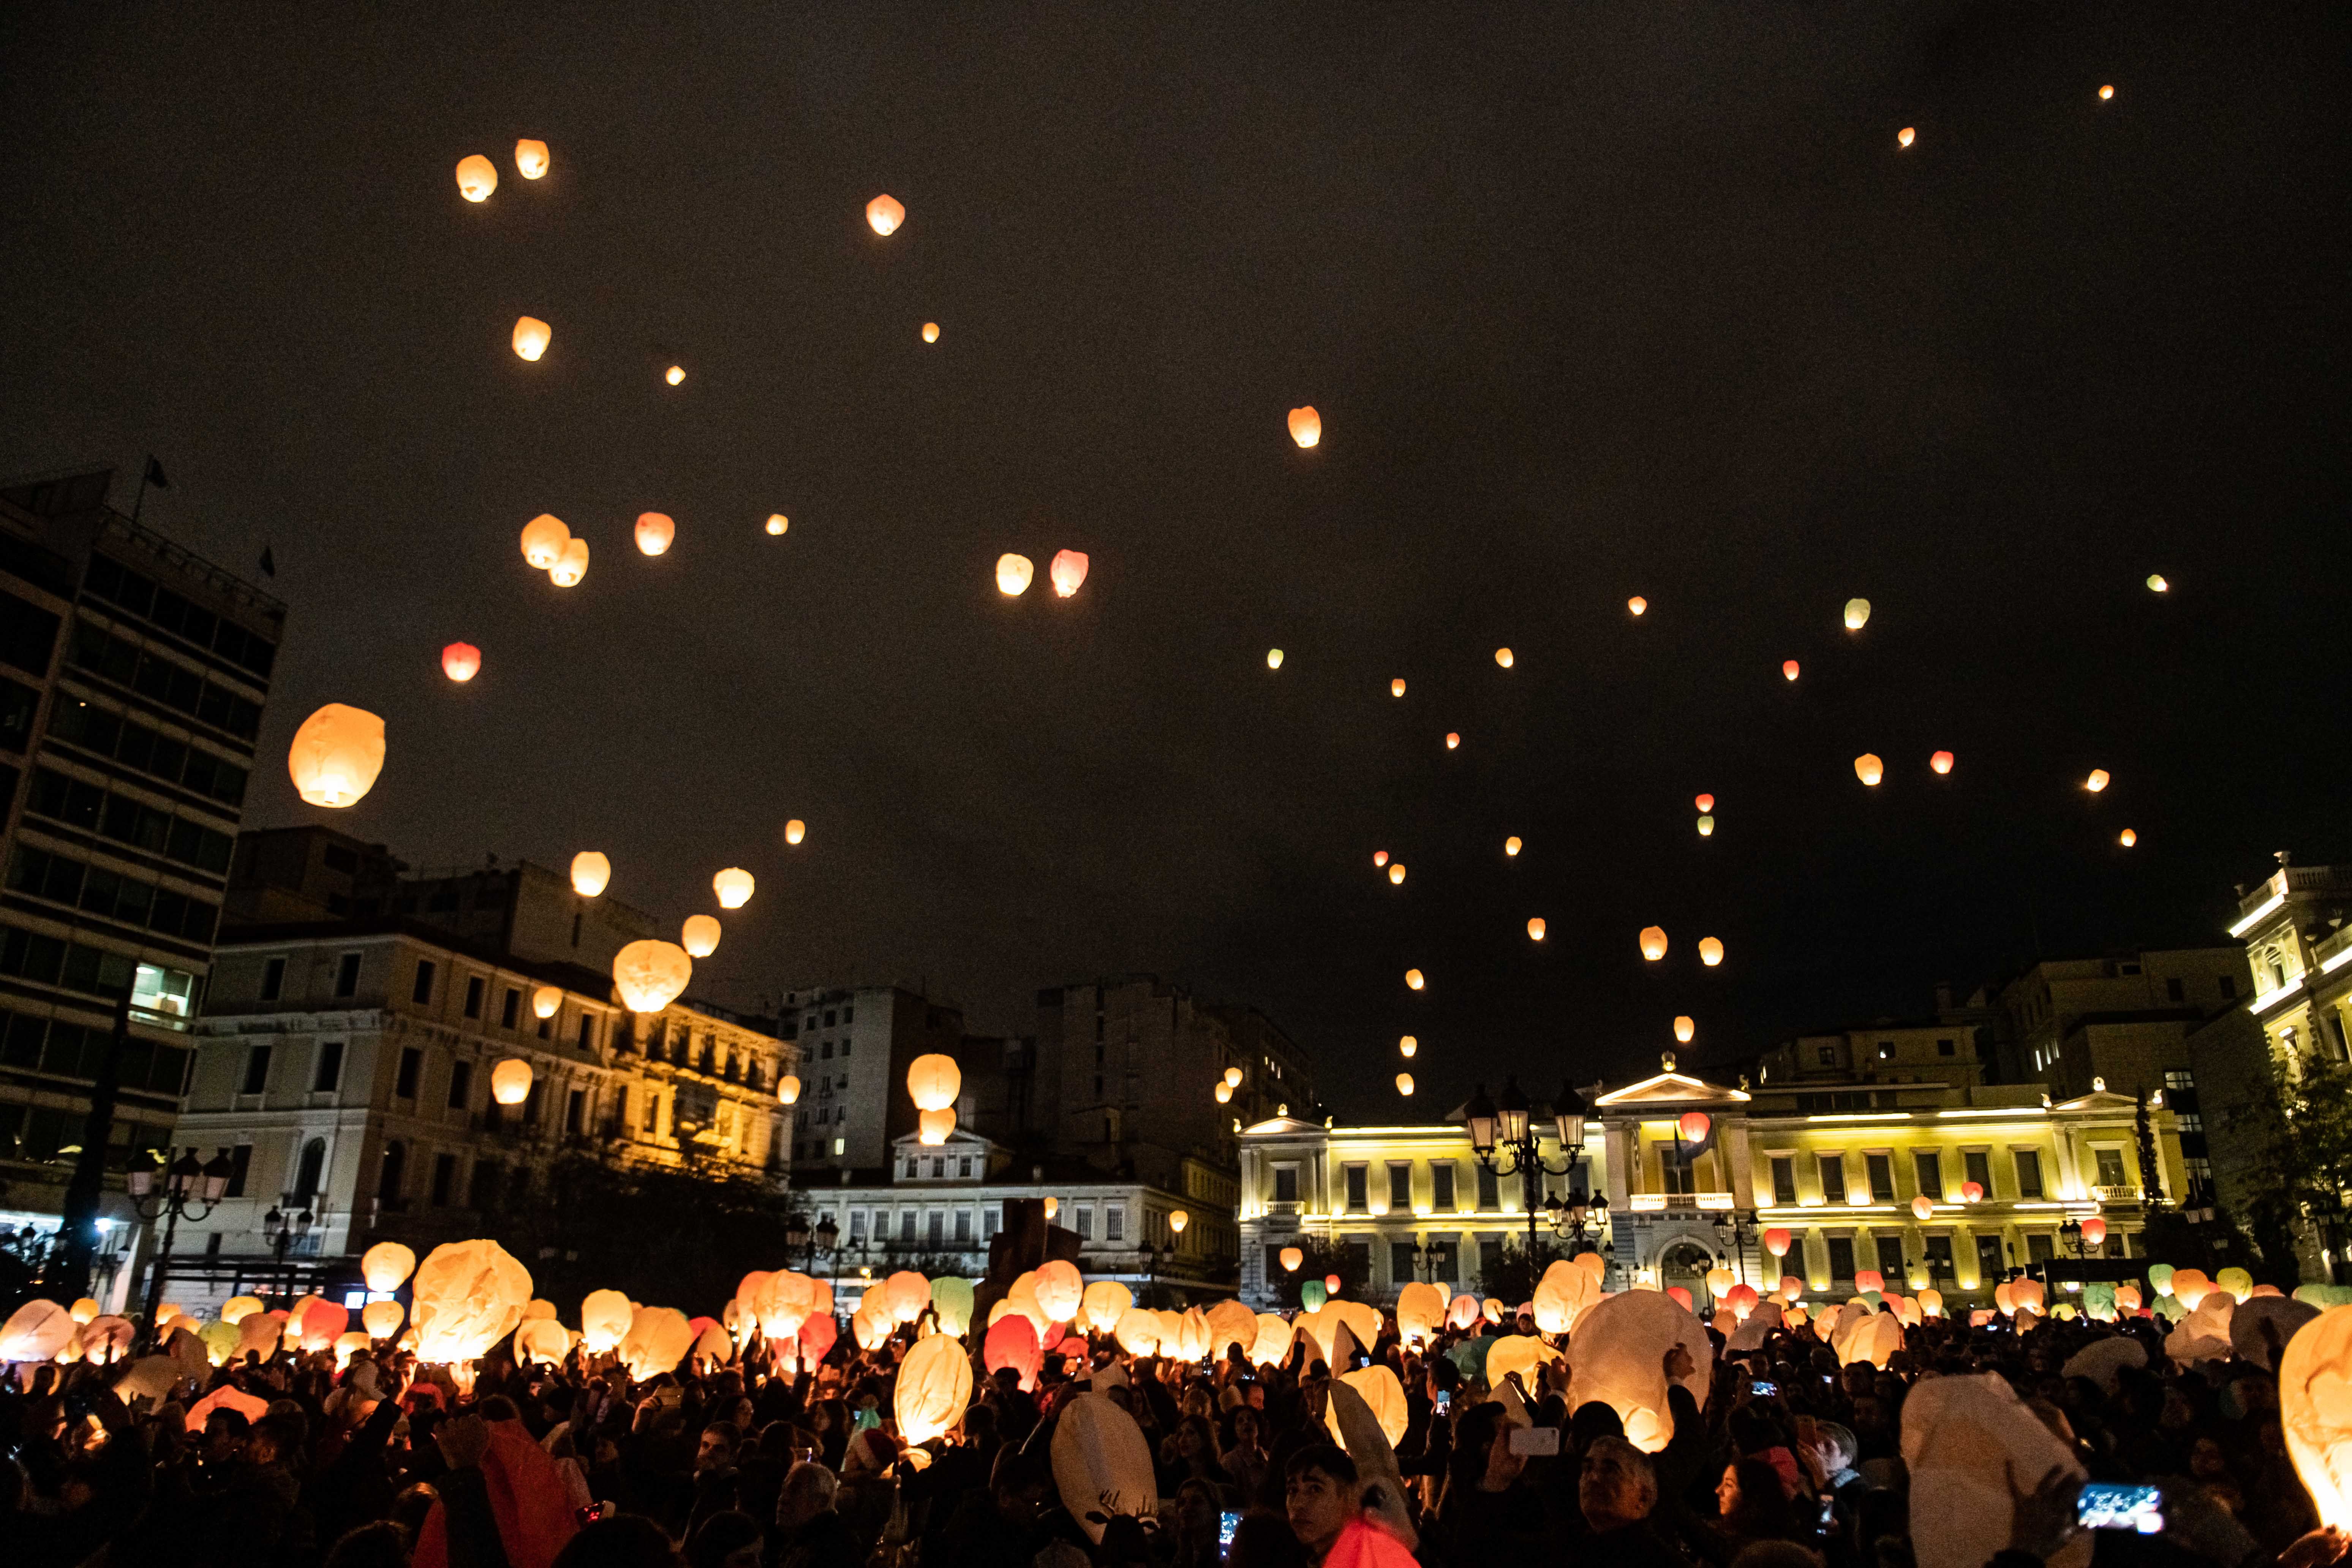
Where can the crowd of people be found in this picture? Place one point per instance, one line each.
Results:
(1791, 1462)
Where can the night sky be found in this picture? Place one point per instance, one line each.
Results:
(1636, 300)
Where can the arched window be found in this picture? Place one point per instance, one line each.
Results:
(307, 1174)
(395, 1157)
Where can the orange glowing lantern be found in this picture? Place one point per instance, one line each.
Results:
(1305, 425)
(1396, 687)
(532, 337)
(1291, 1259)
(795, 830)
(655, 532)
(1776, 1241)
(777, 523)
(2128, 838)
(1407, 1046)
(1941, 762)
(1511, 845)
(1868, 768)
(1013, 573)
(1693, 1126)
(1413, 979)
(530, 158)
(1453, 740)
(1536, 929)
(591, 873)
(543, 539)
(1405, 1083)
(932, 1128)
(1972, 1192)
(572, 566)
(546, 1001)
(733, 887)
(1904, 137)
(2094, 1231)
(1503, 658)
(1788, 669)
(884, 214)
(788, 1090)
(1685, 1028)
(476, 177)
(1654, 942)
(930, 331)
(1638, 605)
(699, 936)
(2097, 781)
(650, 975)
(1396, 873)
(1710, 952)
(336, 755)
(1923, 1207)
(511, 1081)
(933, 1081)
(1068, 571)
(1705, 803)
(461, 661)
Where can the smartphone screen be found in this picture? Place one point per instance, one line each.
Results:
(1444, 1401)
(1763, 1389)
(1226, 1524)
(1829, 1511)
(2111, 1505)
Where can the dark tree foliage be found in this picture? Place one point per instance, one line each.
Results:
(2306, 1166)
(1512, 1278)
(1323, 1257)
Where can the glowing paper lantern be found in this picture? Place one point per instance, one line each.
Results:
(1396, 687)
(235, 1310)
(1536, 929)
(2236, 1282)
(336, 755)
(1637, 604)
(1102, 1304)
(2107, 93)
(1788, 669)
(1274, 658)
(1694, 1126)
(467, 1295)
(2189, 1287)
(382, 1319)
(1857, 611)
(1012, 1342)
(1012, 575)
(905, 1294)
(1511, 845)
(1102, 1465)
(461, 661)
(788, 1090)
(1060, 1290)
(2094, 1231)
(385, 1266)
(1503, 658)
(1313, 1294)
(572, 566)
(1868, 768)
(951, 1301)
(530, 158)
(1412, 979)
(884, 214)
(37, 1330)
(655, 531)
(2156, 585)
(1224, 1093)
(1233, 1076)
(787, 1299)
(1453, 740)
(1405, 1083)
(650, 975)
(931, 333)
(1793, 1286)
(1707, 827)
(795, 830)
(1621, 1346)
(2097, 781)
(658, 1340)
(1291, 1259)
(2128, 838)
(699, 936)
(2315, 1395)
(933, 1081)
(1383, 1398)
(1941, 762)
(1710, 952)
(532, 337)
(1305, 425)
(591, 873)
(543, 539)
(1922, 1206)
(1972, 1192)
(546, 1001)
(1419, 1310)
(476, 177)
(1563, 1293)
(776, 524)
(1407, 1046)
(1138, 1332)
(1654, 942)
(733, 887)
(1685, 1028)
(934, 1385)
(1396, 875)
(1904, 137)
(933, 1127)
(1068, 571)
(1741, 1300)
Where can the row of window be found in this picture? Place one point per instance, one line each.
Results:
(161, 680)
(1443, 1191)
(110, 895)
(140, 746)
(134, 591)
(90, 807)
(29, 634)
(1927, 1169)
(40, 1134)
(72, 1050)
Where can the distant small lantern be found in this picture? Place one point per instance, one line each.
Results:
(1705, 803)
(387, 1266)
(795, 830)
(1923, 1207)
(2128, 838)
(655, 532)
(532, 337)
(930, 331)
(2156, 585)
(1638, 605)
(788, 1090)
(1305, 425)
(1233, 1076)
(1707, 827)
(1904, 137)
(1857, 614)
(1012, 575)
(1453, 741)
(1405, 1083)
(1274, 658)
(650, 975)
(1068, 571)
(1536, 929)
(572, 566)
(1868, 768)
(1396, 687)
(1972, 1192)
(1412, 979)
(1396, 873)
(1224, 1092)
(733, 887)
(336, 755)
(884, 214)
(1654, 942)
(2097, 781)
(675, 375)
(2107, 93)
(933, 1081)
(1503, 658)
(1406, 1046)
(511, 1081)
(476, 178)
(1776, 1242)
(1710, 952)
(1685, 1028)
(776, 524)
(591, 873)
(1788, 669)
(1380, 858)
(1511, 845)
(461, 661)
(547, 1001)
(1694, 1126)
(699, 936)
(530, 158)
(2094, 1231)
(543, 539)
(1291, 1259)
(1177, 1220)
(1941, 762)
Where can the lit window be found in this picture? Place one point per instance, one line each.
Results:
(171, 992)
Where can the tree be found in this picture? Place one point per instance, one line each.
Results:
(1512, 1278)
(1323, 1257)
(2306, 1167)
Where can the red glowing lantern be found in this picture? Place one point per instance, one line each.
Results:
(461, 661)
(1789, 669)
(1331, 1283)
(1706, 802)
(1972, 1192)
(2094, 1231)
(1681, 1296)
(1869, 1279)
(1694, 1126)
(1776, 1242)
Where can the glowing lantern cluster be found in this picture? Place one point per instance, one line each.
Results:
(461, 661)
(1305, 425)
(650, 975)
(591, 873)
(336, 755)
(476, 177)
(699, 936)
(1654, 942)
(655, 531)
(1710, 952)
(532, 337)
(1014, 574)
(530, 158)
(884, 214)
(1869, 769)
(733, 886)
(1068, 571)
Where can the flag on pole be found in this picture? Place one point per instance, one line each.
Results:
(154, 476)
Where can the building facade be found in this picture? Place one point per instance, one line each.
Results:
(134, 678)
(855, 1045)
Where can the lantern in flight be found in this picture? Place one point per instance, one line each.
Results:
(1710, 952)
(1012, 575)
(1685, 1028)
(545, 1001)
(884, 214)
(933, 1081)
(1868, 768)
(674, 375)
(795, 830)
(655, 532)
(531, 337)
(2107, 93)
(2097, 781)
(2094, 1231)
(1291, 1259)
(1654, 942)
(1536, 929)
(699, 936)
(1776, 1242)
(776, 524)
(461, 661)
(933, 1127)
(1904, 137)
(1224, 1092)
(1694, 1126)
(543, 539)
(2156, 585)
(934, 1385)
(1305, 425)
(1923, 1207)
(1234, 1078)
(733, 887)
(336, 755)
(1941, 762)
(1705, 803)
(1407, 1046)
(476, 177)
(1396, 687)
(2127, 839)
(650, 975)
(387, 1266)
(1707, 827)
(1971, 1192)
(591, 873)
(511, 1081)
(1274, 658)
(572, 566)
(1637, 604)
(930, 331)
(788, 1090)
(1788, 669)
(1511, 845)
(1453, 740)
(1503, 656)
(1405, 1083)
(1412, 979)
(1068, 571)
(530, 158)
(1857, 614)
(1396, 873)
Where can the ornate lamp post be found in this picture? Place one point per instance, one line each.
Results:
(282, 1233)
(187, 1189)
(1733, 1230)
(1503, 1130)
(799, 1237)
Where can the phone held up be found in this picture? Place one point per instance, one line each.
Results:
(2111, 1505)
(1227, 1524)
(1533, 1441)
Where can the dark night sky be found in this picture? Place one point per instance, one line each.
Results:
(1639, 300)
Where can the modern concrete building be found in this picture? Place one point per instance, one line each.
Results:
(855, 1043)
(2124, 1019)
(133, 676)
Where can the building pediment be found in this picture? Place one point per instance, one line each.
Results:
(1670, 1088)
(2100, 1102)
(1280, 1126)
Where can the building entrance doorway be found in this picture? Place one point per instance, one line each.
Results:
(1685, 1263)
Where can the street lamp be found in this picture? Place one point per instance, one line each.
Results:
(1501, 1130)
(187, 1189)
(810, 1243)
(2070, 1234)
(1733, 1230)
(283, 1233)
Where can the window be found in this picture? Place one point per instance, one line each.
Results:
(935, 1227)
(396, 1165)
(2029, 1174)
(2037, 1248)
(2110, 1167)
(1991, 1270)
(1841, 1257)
(1944, 1047)
(963, 1224)
(1784, 1178)
(412, 1062)
(256, 1071)
(511, 1009)
(588, 1034)
(2229, 988)
(1675, 1173)
(474, 988)
(1890, 1260)
(1401, 1263)
(444, 1179)
(964, 1165)
(1833, 1178)
(1441, 1183)
(2177, 1078)
(575, 1111)
(906, 1224)
(461, 1084)
(1357, 1179)
(306, 1175)
(992, 1220)
(423, 990)
(856, 1227)
(1928, 1166)
(273, 979)
(1286, 1183)
(1114, 1221)
(1083, 1221)
(2174, 991)
(1441, 1261)
(240, 1162)
(1828, 1055)
(1399, 1186)
(1979, 1168)
(327, 1073)
(347, 975)
(1489, 1190)
(1939, 1259)
(1882, 1176)
(482, 1188)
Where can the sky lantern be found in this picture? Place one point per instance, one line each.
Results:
(531, 336)
(382, 1320)
(476, 177)
(546, 1000)
(1503, 658)
(2315, 1398)
(1776, 1241)
(1710, 952)
(1291, 1259)
(795, 830)
(1705, 803)
(733, 887)
(1536, 929)
(1380, 857)
(1068, 571)
(1060, 1289)
(1511, 845)
(1923, 1206)
(1857, 614)
(531, 159)
(651, 975)
(2107, 93)
(1904, 137)
(1012, 575)
(1232, 1078)
(699, 936)
(933, 1128)
(1654, 942)
(2094, 1231)
(1788, 669)
(1971, 1192)
(2097, 781)
(1396, 873)
(37, 1330)
(776, 524)
(1453, 740)
(655, 532)
(591, 873)
(1693, 1126)
(788, 1090)
(461, 661)
(1413, 980)
(572, 566)
(1274, 658)
(1638, 605)
(933, 1385)
(1685, 1028)
(933, 1081)
(387, 1266)
(511, 1081)
(2128, 838)
(467, 1295)
(658, 1340)
(1405, 1083)
(1406, 1046)
(1707, 827)
(884, 214)
(1102, 1303)
(1224, 1093)
(543, 539)
(1869, 769)
(1396, 687)
(336, 755)
(1305, 425)
(2156, 585)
